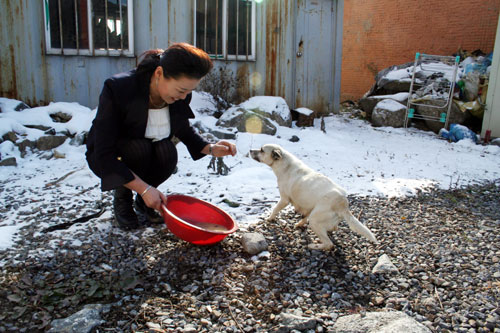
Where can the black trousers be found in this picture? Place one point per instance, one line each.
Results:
(153, 162)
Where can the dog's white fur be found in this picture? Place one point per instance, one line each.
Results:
(313, 195)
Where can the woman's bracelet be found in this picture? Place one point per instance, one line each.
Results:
(210, 152)
(147, 189)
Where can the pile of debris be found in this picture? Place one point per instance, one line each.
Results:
(385, 104)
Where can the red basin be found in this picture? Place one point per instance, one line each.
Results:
(196, 221)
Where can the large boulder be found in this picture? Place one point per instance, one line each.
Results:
(48, 142)
(271, 107)
(379, 322)
(388, 112)
(434, 108)
(368, 103)
(392, 80)
(246, 121)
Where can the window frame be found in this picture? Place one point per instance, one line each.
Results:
(225, 56)
(91, 51)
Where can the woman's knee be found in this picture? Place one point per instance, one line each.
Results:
(135, 150)
(165, 154)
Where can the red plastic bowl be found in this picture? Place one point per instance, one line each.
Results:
(197, 221)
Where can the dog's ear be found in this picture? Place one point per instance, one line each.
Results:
(276, 154)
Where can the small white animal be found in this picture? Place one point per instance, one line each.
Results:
(313, 195)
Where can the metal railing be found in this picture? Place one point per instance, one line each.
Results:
(222, 36)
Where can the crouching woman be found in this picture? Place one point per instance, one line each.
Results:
(129, 146)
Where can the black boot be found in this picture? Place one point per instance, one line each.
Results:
(149, 213)
(123, 209)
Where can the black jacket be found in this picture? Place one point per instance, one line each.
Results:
(123, 113)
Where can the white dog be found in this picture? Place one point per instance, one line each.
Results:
(312, 194)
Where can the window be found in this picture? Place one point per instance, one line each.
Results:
(89, 27)
(225, 29)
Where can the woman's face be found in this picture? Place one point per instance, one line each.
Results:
(171, 90)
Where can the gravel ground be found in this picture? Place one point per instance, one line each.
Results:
(445, 244)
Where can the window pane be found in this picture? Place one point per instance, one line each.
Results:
(55, 38)
(99, 24)
(122, 30)
(213, 25)
(83, 24)
(116, 26)
(68, 21)
(239, 36)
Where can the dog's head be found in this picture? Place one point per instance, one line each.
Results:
(267, 154)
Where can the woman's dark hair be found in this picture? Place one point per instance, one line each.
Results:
(180, 59)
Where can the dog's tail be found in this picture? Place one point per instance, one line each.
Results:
(359, 227)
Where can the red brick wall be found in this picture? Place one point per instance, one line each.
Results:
(381, 33)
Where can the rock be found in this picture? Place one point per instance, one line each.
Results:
(294, 138)
(21, 106)
(9, 161)
(10, 136)
(378, 300)
(388, 112)
(25, 144)
(290, 322)
(50, 141)
(213, 134)
(253, 242)
(429, 302)
(388, 84)
(384, 265)
(61, 117)
(79, 139)
(272, 107)
(379, 322)
(189, 328)
(246, 121)
(57, 154)
(368, 103)
(40, 127)
(429, 110)
(223, 134)
(82, 321)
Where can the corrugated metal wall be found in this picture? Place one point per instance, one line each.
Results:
(491, 118)
(27, 74)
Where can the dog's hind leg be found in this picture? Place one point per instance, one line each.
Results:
(279, 206)
(320, 224)
(336, 221)
(301, 223)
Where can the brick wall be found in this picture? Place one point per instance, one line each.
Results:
(381, 33)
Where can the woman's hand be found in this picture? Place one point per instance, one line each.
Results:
(220, 149)
(153, 198)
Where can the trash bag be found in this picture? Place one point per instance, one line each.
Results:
(480, 66)
(471, 86)
(458, 132)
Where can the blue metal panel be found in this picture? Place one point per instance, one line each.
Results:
(28, 74)
(315, 51)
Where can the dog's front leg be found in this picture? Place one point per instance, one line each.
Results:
(279, 206)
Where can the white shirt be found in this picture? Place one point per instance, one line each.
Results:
(158, 127)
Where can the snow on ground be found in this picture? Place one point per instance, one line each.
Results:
(362, 159)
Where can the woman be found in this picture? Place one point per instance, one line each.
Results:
(129, 145)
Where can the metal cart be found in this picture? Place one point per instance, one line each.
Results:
(434, 76)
